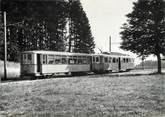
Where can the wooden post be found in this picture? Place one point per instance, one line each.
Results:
(110, 44)
(70, 42)
(5, 48)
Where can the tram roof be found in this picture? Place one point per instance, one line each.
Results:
(114, 54)
(55, 52)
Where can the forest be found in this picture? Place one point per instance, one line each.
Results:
(45, 25)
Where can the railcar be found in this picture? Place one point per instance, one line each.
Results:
(43, 63)
(111, 62)
(46, 63)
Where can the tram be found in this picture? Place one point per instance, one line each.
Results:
(46, 63)
(112, 62)
(42, 63)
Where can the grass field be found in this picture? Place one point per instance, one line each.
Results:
(85, 96)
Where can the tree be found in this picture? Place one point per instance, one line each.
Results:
(80, 32)
(144, 32)
(42, 25)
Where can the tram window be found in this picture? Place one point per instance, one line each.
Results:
(114, 60)
(124, 60)
(64, 61)
(50, 59)
(57, 61)
(24, 56)
(97, 59)
(127, 60)
(71, 61)
(106, 59)
(79, 57)
(44, 59)
(110, 59)
(94, 60)
(29, 57)
(84, 61)
(88, 59)
(75, 59)
(117, 60)
(80, 61)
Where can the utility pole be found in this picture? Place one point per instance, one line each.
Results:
(70, 41)
(110, 44)
(70, 26)
(5, 47)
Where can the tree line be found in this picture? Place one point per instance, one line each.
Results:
(144, 31)
(42, 25)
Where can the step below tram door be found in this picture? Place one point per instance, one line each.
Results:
(119, 64)
(38, 63)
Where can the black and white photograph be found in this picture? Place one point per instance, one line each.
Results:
(82, 58)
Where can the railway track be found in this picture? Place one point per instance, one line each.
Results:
(88, 75)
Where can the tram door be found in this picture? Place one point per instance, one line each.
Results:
(119, 64)
(38, 63)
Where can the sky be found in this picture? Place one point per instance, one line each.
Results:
(106, 18)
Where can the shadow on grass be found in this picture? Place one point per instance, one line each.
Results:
(156, 73)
